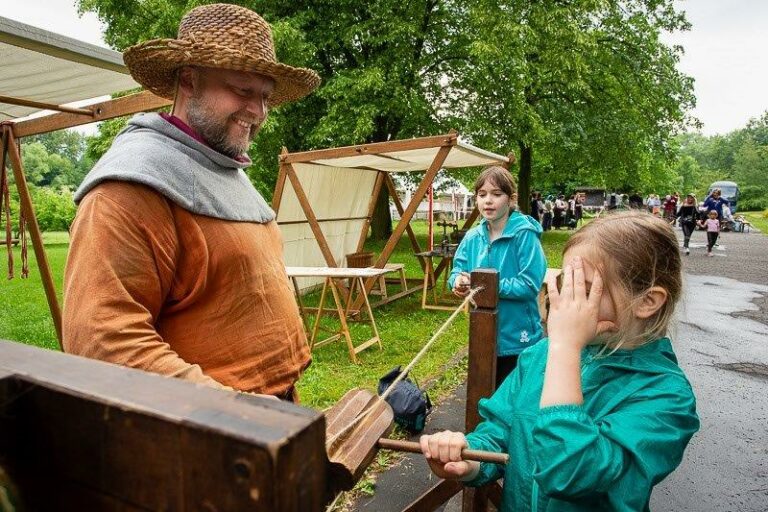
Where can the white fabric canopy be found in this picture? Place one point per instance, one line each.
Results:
(50, 68)
(342, 188)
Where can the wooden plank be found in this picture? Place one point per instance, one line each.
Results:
(307, 208)
(34, 230)
(139, 102)
(374, 148)
(79, 434)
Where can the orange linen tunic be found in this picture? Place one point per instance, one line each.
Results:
(153, 286)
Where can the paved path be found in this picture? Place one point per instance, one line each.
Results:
(722, 344)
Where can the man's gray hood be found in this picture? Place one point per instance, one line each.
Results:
(153, 152)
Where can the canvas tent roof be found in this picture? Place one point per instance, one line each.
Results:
(50, 68)
(338, 186)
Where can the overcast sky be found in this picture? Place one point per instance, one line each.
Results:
(726, 51)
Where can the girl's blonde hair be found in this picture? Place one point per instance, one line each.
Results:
(500, 177)
(635, 251)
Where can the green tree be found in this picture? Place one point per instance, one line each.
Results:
(589, 85)
(381, 65)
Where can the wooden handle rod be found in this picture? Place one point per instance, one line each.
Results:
(466, 454)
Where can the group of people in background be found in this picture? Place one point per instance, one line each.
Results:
(713, 215)
(555, 212)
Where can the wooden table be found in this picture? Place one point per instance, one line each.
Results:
(342, 306)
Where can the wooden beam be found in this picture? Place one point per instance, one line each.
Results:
(34, 230)
(374, 148)
(334, 219)
(313, 224)
(396, 199)
(47, 106)
(139, 102)
(371, 207)
(435, 496)
(277, 197)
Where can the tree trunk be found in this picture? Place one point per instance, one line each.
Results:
(524, 178)
(381, 222)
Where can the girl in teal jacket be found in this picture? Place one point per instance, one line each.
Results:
(600, 412)
(508, 241)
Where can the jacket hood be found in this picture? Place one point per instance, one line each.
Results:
(516, 223)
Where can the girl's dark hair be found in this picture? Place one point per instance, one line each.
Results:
(500, 177)
(635, 251)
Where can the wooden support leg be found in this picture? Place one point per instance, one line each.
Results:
(370, 312)
(302, 311)
(319, 315)
(343, 317)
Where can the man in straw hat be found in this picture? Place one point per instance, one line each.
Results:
(176, 264)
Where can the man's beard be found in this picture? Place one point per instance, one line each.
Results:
(212, 127)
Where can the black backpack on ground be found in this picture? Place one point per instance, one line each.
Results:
(410, 404)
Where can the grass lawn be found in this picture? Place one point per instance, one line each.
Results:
(404, 327)
(757, 219)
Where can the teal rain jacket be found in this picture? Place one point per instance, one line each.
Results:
(519, 258)
(638, 415)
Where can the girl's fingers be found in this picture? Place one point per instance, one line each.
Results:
(457, 444)
(567, 289)
(424, 443)
(579, 288)
(596, 291)
(552, 291)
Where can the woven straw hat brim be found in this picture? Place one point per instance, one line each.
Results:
(153, 64)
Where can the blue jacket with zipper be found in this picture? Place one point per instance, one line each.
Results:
(519, 259)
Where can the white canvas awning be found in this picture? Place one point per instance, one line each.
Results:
(40, 66)
(339, 186)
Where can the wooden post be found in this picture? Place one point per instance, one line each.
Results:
(34, 230)
(481, 374)
(280, 185)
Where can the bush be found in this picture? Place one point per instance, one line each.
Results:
(753, 198)
(55, 209)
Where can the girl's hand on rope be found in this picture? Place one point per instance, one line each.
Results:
(461, 285)
(443, 453)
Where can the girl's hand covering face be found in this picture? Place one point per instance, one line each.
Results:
(574, 312)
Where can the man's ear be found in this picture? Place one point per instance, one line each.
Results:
(187, 80)
(651, 302)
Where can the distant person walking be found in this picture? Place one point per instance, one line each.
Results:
(547, 217)
(715, 203)
(688, 214)
(712, 225)
(535, 210)
(559, 211)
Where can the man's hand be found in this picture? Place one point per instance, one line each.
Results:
(461, 285)
(443, 453)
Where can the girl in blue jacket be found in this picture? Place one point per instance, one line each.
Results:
(600, 412)
(508, 241)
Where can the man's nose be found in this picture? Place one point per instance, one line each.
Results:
(258, 106)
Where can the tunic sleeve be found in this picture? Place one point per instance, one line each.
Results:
(119, 271)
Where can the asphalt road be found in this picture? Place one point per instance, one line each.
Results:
(721, 339)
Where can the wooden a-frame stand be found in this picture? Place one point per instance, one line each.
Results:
(66, 118)
(287, 173)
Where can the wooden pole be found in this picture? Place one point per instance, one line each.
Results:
(481, 374)
(34, 229)
(280, 185)
(47, 106)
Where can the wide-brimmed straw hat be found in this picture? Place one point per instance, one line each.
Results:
(218, 36)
